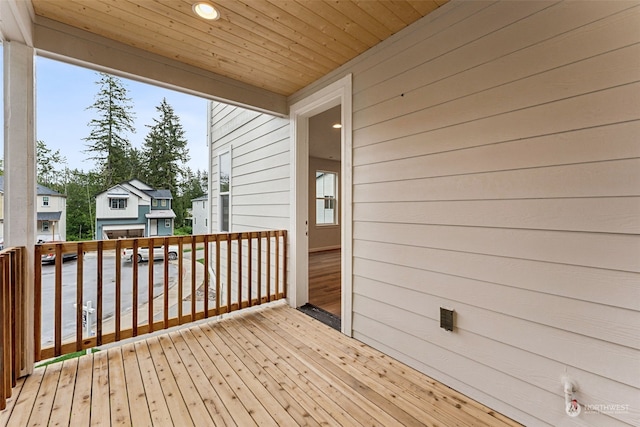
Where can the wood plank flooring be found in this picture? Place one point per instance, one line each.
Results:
(270, 366)
(324, 280)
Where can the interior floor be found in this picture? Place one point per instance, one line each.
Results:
(324, 281)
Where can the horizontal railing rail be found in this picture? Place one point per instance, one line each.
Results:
(12, 312)
(109, 293)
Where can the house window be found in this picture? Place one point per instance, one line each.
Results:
(167, 223)
(118, 203)
(45, 225)
(224, 190)
(45, 200)
(154, 203)
(163, 203)
(326, 198)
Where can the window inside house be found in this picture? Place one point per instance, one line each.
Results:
(154, 203)
(167, 223)
(326, 198)
(224, 186)
(45, 200)
(45, 225)
(118, 203)
(163, 202)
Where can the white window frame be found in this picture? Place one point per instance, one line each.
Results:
(167, 223)
(336, 187)
(45, 225)
(45, 200)
(112, 199)
(163, 203)
(227, 193)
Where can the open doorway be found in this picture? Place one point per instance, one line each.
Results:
(325, 203)
(321, 221)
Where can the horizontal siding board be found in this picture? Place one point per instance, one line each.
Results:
(270, 161)
(485, 21)
(584, 329)
(260, 138)
(610, 251)
(271, 210)
(417, 158)
(601, 215)
(600, 179)
(246, 223)
(504, 56)
(267, 148)
(618, 104)
(260, 199)
(610, 287)
(267, 174)
(540, 371)
(261, 187)
(586, 76)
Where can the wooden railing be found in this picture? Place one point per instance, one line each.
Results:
(198, 277)
(12, 313)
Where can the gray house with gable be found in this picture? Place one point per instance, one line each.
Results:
(134, 209)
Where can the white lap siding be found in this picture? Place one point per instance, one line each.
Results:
(496, 172)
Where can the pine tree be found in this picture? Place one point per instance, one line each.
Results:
(165, 149)
(47, 165)
(108, 143)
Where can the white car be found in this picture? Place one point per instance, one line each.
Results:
(143, 253)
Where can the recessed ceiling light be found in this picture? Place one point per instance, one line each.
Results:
(337, 126)
(206, 10)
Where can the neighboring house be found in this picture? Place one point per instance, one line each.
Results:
(51, 214)
(199, 217)
(134, 209)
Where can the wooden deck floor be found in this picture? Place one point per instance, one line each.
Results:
(270, 366)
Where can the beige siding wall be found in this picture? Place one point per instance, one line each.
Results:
(260, 168)
(496, 173)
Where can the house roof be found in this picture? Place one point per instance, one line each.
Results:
(138, 188)
(49, 216)
(201, 198)
(160, 214)
(41, 189)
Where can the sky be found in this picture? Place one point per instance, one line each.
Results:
(64, 92)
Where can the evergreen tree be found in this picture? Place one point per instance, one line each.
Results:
(165, 149)
(80, 190)
(108, 143)
(48, 165)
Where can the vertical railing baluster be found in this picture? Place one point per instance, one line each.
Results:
(268, 266)
(228, 272)
(277, 266)
(118, 296)
(150, 284)
(259, 260)
(58, 302)
(206, 276)
(239, 242)
(135, 290)
(99, 294)
(193, 279)
(166, 283)
(249, 267)
(180, 279)
(79, 298)
(284, 263)
(217, 272)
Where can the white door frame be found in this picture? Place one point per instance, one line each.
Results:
(337, 93)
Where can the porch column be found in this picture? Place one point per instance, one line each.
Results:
(20, 196)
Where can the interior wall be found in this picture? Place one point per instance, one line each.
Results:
(322, 237)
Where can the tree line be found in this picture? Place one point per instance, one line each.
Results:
(160, 162)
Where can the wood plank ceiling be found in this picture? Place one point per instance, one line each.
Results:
(279, 45)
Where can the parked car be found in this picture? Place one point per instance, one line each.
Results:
(50, 258)
(143, 253)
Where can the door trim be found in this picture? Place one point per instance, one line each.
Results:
(337, 93)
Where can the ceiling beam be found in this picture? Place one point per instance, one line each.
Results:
(59, 41)
(16, 21)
